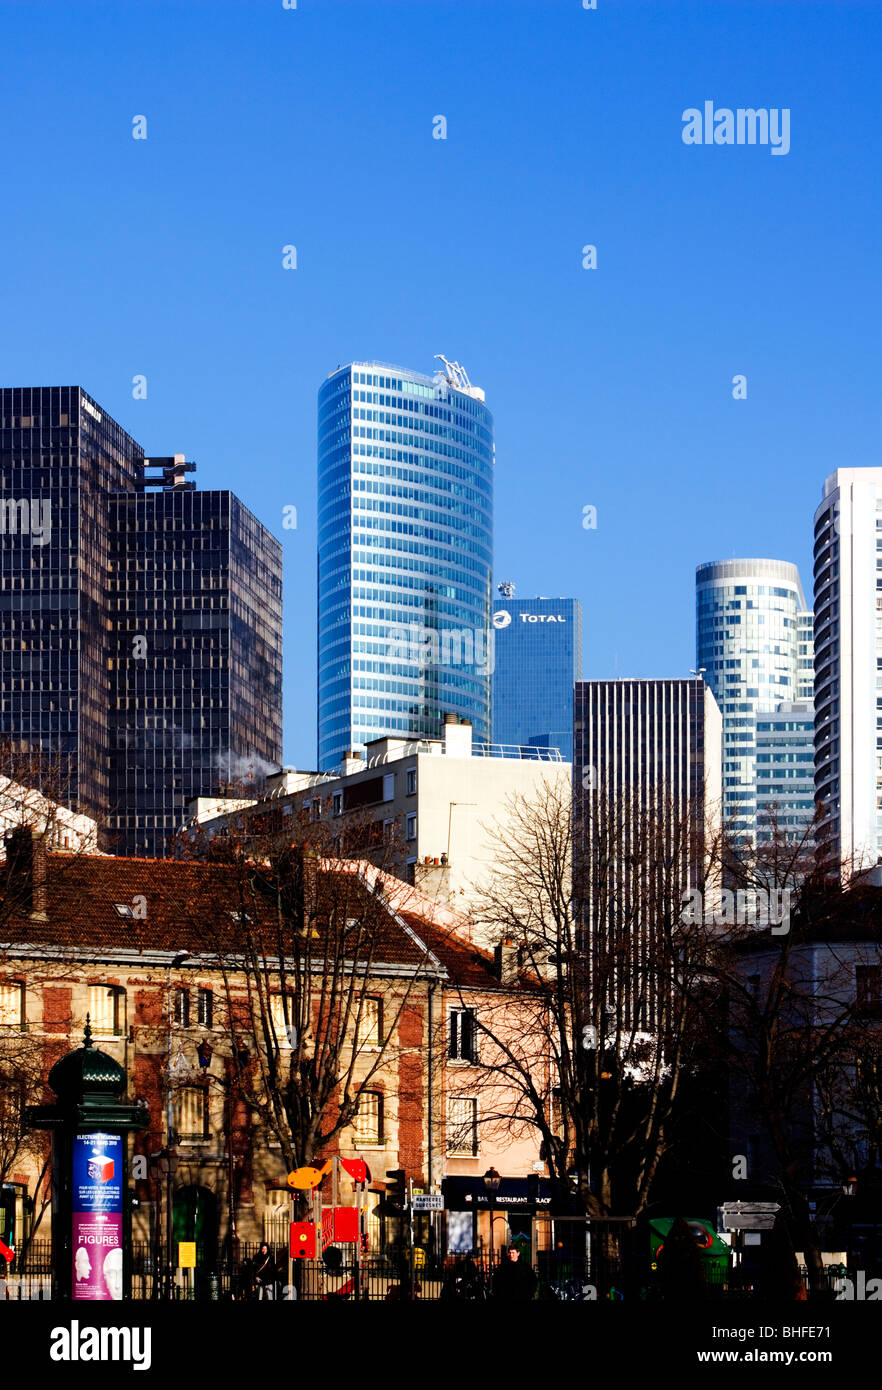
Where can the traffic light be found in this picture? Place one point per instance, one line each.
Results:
(396, 1190)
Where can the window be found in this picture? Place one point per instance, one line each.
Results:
(284, 1027)
(367, 1123)
(411, 781)
(338, 803)
(411, 826)
(12, 1004)
(125, 910)
(461, 1046)
(181, 1007)
(205, 1008)
(371, 1025)
(868, 979)
(315, 808)
(462, 1125)
(192, 1114)
(106, 1010)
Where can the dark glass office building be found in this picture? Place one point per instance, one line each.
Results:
(140, 619)
(646, 784)
(405, 496)
(537, 660)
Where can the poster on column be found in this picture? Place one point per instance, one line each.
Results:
(97, 1216)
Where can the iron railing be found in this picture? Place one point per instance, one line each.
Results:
(403, 1277)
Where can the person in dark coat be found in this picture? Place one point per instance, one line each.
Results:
(514, 1282)
(463, 1281)
(265, 1272)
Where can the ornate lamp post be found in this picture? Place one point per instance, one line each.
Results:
(492, 1179)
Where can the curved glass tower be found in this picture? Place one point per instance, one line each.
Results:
(755, 642)
(405, 541)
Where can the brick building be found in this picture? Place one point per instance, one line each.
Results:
(161, 955)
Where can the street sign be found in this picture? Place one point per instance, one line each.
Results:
(428, 1201)
(748, 1216)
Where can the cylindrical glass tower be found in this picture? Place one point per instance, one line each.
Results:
(405, 544)
(754, 641)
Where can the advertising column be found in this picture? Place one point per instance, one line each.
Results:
(97, 1244)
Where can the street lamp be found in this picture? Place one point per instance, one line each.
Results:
(205, 1053)
(492, 1179)
(168, 1159)
(164, 1165)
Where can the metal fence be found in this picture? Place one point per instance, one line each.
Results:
(411, 1276)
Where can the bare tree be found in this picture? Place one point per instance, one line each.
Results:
(318, 973)
(22, 1083)
(41, 834)
(616, 976)
(797, 1044)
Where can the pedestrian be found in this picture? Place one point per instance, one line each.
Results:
(514, 1281)
(265, 1272)
(464, 1282)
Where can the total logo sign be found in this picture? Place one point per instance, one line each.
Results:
(502, 618)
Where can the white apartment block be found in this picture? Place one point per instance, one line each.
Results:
(58, 826)
(436, 801)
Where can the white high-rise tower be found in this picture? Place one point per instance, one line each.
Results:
(848, 666)
(754, 644)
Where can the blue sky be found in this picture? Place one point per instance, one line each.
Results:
(610, 387)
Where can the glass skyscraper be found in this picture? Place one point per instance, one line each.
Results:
(754, 641)
(198, 580)
(140, 620)
(405, 539)
(538, 659)
(785, 771)
(646, 771)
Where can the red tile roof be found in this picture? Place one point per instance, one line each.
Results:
(195, 907)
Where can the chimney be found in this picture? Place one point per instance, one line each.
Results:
(351, 762)
(24, 881)
(457, 737)
(507, 960)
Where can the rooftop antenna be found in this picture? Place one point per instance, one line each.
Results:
(506, 588)
(456, 375)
